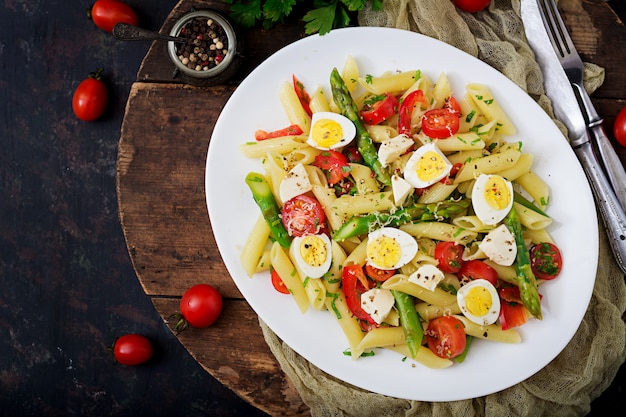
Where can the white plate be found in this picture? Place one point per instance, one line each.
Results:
(489, 367)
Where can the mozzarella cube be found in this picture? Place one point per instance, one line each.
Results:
(427, 276)
(296, 182)
(391, 149)
(377, 302)
(401, 189)
(499, 246)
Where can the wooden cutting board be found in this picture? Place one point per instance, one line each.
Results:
(160, 183)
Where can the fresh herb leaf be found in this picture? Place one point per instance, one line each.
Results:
(246, 14)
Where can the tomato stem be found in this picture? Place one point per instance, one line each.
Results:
(97, 74)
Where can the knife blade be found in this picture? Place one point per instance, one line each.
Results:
(567, 110)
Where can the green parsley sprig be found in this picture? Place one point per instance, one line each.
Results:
(322, 17)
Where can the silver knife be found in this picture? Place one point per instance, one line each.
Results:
(566, 109)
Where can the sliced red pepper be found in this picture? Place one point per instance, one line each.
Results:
(334, 164)
(513, 313)
(291, 130)
(380, 110)
(302, 94)
(351, 275)
(406, 110)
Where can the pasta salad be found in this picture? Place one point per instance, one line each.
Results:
(402, 209)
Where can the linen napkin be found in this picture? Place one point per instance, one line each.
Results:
(589, 363)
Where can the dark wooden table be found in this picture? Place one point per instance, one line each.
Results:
(69, 286)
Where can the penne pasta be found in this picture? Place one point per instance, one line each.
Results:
(252, 250)
(286, 270)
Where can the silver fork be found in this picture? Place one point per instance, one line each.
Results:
(573, 66)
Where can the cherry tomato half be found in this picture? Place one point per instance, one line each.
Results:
(334, 164)
(303, 215)
(201, 305)
(545, 261)
(446, 337)
(278, 283)
(471, 6)
(379, 275)
(450, 256)
(90, 97)
(379, 109)
(106, 13)
(619, 128)
(440, 123)
(477, 269)
(132, 349)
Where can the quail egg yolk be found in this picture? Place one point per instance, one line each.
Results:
(327, 133)
(478, 301)
(384, 251)
(313, 251)
(430, 166)
(496, 193)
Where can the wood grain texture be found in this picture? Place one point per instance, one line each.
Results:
(233, 351)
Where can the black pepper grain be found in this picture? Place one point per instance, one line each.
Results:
(207, 46)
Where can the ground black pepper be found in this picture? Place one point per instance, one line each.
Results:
(207, 46)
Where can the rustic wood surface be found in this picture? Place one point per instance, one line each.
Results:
(160, 180)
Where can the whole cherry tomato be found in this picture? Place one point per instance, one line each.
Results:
(619, 128)
(132, 349)
(106, 13)
(471, 6)
(200, 306)
(90, 98)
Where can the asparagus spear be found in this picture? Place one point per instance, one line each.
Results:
(343, 99)
(409, 320)
(262, 194)
(525, 278)
(358, 225)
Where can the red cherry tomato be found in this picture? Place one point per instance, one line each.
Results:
(379, 109)
(450, 256)
(477, 269)
(352, 154)
(471, 6)
(132, 349)
(90, 97)
(106, 13)
(334, 164)
(278, 283)
(440, 123)
(545, 261)
(446, 337)
(303, 215)
(201, 305)
(619, 128)
(379, 275)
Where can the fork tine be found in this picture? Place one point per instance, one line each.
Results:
(559, 36)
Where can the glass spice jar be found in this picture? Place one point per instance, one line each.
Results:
(211, 50)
